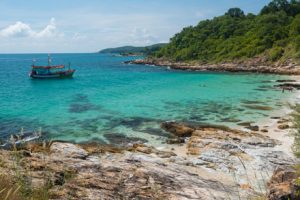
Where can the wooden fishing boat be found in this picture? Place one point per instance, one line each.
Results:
(49, 71)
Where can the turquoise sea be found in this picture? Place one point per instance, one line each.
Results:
(107, 99)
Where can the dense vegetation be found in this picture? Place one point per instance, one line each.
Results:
(133, 50)
(273, 34)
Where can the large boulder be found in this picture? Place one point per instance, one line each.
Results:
(68, 150)
(177, 129)
(283, 185)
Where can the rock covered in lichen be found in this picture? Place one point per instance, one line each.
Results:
(140, 173)
(283, 184)
(211, 162)
(67, 150)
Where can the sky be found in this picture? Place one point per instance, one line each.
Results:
(79, 26)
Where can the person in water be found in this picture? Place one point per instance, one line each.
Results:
(290, 89)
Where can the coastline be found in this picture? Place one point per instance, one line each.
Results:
(210, 162)
(204, 106)
(253, 66)
(280, 117)
(291, 69)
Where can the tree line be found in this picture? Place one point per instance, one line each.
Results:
(274, 33)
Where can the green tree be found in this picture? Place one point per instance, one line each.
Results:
(235, 12)
(275, 6)
(295, 26)
(294, 7)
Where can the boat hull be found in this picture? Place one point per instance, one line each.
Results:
(66, 74)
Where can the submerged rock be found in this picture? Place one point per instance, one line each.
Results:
(245, 123)
(258, 107)
(83, 107)
(175, 140)
(233, 120)
(285, 81)
(155, 132)
(245, 101)
(80, 98)
(123, 140)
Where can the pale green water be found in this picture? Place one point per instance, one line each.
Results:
(106, 96)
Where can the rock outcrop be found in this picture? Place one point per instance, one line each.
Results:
(244, 155)
(283, 184)
(206, 162)
(252, 65)
(137, 173)
(178, 130)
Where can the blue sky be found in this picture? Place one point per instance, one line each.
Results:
(90, 25)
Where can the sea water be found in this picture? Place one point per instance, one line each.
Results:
(107, 98)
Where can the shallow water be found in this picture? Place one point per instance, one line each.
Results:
(106, 97)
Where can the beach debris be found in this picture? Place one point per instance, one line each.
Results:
(21, 138)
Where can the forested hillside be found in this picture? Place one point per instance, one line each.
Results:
(274, 34)
(133, 50)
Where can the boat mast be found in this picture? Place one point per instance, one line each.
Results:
(49, 60)
(33, 62)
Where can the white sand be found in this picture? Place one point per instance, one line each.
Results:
(284, 136)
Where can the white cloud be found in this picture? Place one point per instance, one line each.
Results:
(49, 31)
(141, 36)
(20, 29)
(78, 33)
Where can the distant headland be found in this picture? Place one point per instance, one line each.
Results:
(132, 50)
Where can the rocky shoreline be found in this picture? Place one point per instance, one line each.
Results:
(196, 161)
(256, 65)
(200, 162)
